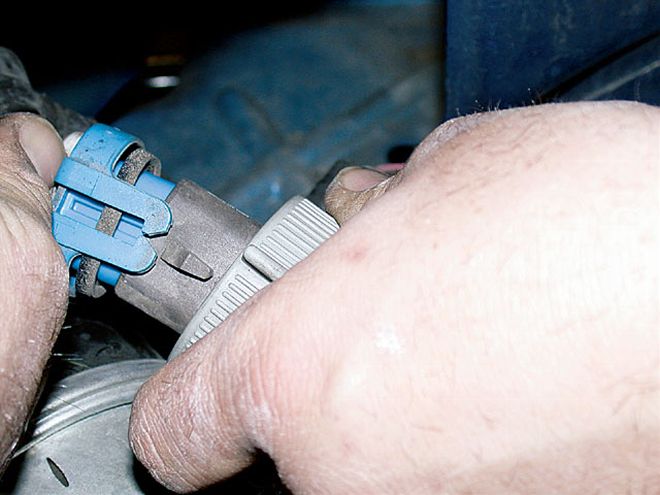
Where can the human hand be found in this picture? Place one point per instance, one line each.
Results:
(33, 277)
(487, 323)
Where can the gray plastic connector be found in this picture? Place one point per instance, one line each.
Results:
(288, 237)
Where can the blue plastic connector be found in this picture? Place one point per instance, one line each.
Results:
(87, 183)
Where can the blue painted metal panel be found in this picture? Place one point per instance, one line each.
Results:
(262, 115)
(501, 54)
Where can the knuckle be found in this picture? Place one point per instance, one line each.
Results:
(174, 426)
(139, 438)
(142, 431)
(263, 378)
(149, 440)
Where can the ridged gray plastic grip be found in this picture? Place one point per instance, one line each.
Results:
(288, 237)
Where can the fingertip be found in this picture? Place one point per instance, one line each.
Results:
(39, 141)
(357, 179)
(351, 189)
(42, 144)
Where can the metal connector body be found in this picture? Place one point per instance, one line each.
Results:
(206, 236)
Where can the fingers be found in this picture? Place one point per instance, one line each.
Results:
(353, 188)
(33, 277)
(39, 141)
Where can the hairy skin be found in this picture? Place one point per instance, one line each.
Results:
(486, 321)
(33, 278)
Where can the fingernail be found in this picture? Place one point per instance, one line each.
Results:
(43, 146)
(390, 168)
(359, 179)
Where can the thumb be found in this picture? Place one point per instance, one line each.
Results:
(32, 273)
(37, 140)
(354, 187)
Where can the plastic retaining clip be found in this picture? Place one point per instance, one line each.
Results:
(108, 201)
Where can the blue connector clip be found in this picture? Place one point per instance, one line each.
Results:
(89, 188)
